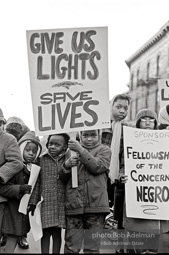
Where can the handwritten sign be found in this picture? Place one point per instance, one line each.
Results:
(69, 79)
(163, 85)
(147, 166)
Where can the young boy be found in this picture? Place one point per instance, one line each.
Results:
(113, 137)
(87, 205)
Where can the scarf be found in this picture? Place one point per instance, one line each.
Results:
(115, 148)
(115, 145)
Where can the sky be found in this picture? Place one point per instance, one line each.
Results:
(130, 24)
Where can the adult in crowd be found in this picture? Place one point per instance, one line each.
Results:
(16, 127)
(10, 162)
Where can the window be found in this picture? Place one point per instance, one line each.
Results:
(137, 78)
(131, 110)
(158, 67)
(136, 105)
(157, 100)
(148, 71)
(131, 82)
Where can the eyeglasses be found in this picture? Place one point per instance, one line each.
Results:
(147, 120)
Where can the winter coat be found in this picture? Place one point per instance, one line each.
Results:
(15, 223)
(145, 225)
(10, 158)
(91, 194)
(52, 190)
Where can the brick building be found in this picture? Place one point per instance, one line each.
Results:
(148, 64)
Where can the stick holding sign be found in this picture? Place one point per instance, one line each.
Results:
(74, 168)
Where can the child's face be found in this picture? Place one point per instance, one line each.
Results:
(30, 152)
(147, 123)
(56, 145)
(120, 109)
(90, 138)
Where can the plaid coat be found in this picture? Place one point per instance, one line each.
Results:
(52, 191)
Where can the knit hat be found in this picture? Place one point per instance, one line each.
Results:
(2, 116)
(146, 113)
(31, 137)
(65, 135)
(15, 126)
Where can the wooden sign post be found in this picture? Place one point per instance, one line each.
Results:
(74, 168)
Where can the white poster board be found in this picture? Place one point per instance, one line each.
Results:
(147, 166)
(69, 79)
(163, 86)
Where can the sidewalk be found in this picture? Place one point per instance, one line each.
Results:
(35, 246)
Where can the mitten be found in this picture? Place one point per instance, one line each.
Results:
(25, 188)
(31, 208)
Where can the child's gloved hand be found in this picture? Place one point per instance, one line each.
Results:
(123, 178)
(31, 208)
(25, 188)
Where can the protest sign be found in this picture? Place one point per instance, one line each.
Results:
(147, 166)
(163, 87)
(69, 79)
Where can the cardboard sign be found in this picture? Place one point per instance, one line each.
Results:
(69, 79)
(163, 86)
(147, 166)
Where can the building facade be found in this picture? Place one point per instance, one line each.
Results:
(148, 64)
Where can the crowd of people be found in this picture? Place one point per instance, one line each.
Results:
(100, 163)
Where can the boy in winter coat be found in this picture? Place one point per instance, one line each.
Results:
(16, 224)
(10, 162)
(53, 191)
(87, 205)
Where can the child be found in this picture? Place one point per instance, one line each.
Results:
(86, 205)
(16, 224)
(113, 137)
(145, 119)
(53, 191)
(10, 162)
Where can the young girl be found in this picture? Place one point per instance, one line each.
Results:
(53, 191)
(145, 119)
(16, 224)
